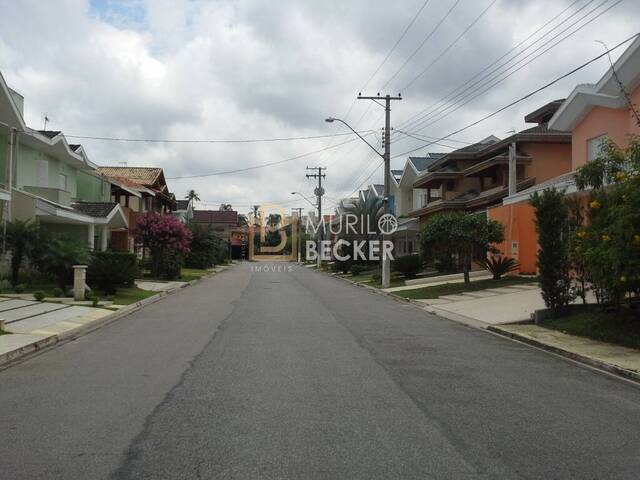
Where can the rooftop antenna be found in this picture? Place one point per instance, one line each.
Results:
(46, 120)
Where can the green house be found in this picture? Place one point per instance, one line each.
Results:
(45, 179)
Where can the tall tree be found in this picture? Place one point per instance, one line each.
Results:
(467, 236)
(192, 195)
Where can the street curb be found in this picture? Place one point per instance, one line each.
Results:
(13, 357)
(576, 357)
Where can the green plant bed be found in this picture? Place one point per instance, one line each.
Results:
(436, 291)
(621, 328)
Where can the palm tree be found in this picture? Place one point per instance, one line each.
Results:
(367, 212)
(21, 237)
(193, 196)
(226, 207)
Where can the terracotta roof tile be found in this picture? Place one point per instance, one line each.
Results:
(215, 216)
(145, 176)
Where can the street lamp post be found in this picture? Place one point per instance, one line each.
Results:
(386, 156)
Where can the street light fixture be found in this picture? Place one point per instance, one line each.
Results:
(386, 156)
(333, 119)
(306, 198)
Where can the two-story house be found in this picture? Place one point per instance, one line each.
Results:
(476, 177)
(405, 199)
(50, 181)
(137, 190)
(591, 114)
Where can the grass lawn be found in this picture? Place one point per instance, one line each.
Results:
(189, 274)
(129, 295)
(621, 328)
(436, 291)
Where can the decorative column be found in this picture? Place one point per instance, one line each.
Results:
(79, 280)
(91, 235)
(104, 237)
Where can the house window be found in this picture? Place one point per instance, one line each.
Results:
(42, 173)
(410, 247)
(594, 147)
(62, 181)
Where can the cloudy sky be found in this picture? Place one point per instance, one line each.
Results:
(258, 69)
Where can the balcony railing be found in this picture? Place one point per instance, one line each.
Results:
(55, 195)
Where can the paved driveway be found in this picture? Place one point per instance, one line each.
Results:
(299, 375)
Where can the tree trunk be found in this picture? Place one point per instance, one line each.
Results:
(465, 271)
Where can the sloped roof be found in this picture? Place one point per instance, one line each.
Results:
(146, 176)
(606, 93)
(94, 209)
(379, 189)
(544, 113)
(182, 204)
(422, 163)
(50, 133)
(216, 216)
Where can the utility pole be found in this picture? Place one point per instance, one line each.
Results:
(386, 263)
(299, 210)
(319, 191)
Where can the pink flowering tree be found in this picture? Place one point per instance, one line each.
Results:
(165, 237)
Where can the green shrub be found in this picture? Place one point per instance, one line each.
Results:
(408, 265)
(19, 288)
(39, 295)
(62, 254)
(110, 270)
(552, 217)
(172, 265)
(499, 266)
(356, 269)
(200, 260)
(57, 292)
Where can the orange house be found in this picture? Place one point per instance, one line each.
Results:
(592, 113)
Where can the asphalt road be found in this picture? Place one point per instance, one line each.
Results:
(296, 375)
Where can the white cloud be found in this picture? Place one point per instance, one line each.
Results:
(255, 69)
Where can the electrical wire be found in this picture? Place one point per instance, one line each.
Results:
(428, 120)
(414, 117)
(252, 140)
(422, 44)
(449, 47)
(525, 97)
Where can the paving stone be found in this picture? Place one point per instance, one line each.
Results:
(30, 311)
(10, 304)
(40, 321)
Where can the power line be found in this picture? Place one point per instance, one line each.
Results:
(406, 29)
(424, 41)
(417, 137)
(521, 99)
(244, 140)
(395, 45)
(477, 86)
(518, 45)
(449, 47)
(264, 165)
